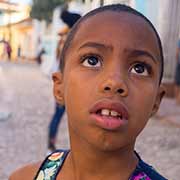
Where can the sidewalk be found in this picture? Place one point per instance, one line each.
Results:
(169, 111)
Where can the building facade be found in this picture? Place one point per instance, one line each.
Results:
(15, 28)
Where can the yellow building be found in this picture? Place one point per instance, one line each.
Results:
(15, 26)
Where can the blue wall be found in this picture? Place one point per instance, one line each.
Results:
(149, 8)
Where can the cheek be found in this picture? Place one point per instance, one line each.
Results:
(141, 107)
(72, 91)
(80, 84)
(76, 93)
(78, 99)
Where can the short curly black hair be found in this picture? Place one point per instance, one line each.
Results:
(114, 8)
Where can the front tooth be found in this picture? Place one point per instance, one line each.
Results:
(114, 113)
(105, 112)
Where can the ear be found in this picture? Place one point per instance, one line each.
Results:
(58, 87)
(160, 95)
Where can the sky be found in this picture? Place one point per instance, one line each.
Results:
(22, 1)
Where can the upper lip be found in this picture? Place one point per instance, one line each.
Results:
(111, 105)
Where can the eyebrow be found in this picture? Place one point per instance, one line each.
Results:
(96, 45)
(137, 52)
(133, 52)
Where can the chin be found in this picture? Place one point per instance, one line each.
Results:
(107, 146)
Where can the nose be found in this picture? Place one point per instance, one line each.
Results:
(116, 85)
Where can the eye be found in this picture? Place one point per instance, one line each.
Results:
(91, 61)
(141, 68)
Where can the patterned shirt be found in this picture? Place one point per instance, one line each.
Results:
(54, 162)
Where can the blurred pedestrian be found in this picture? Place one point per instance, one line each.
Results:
(40, 52)
(53, 126)
(59, 109)
(39, 56)
(177, 74)
(69, 19)
(8, 49)
(19, 52)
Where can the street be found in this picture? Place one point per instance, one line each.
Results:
(26, 96)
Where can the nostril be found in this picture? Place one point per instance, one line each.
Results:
(107, 88)
(120, 91)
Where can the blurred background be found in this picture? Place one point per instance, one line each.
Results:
(29, 35)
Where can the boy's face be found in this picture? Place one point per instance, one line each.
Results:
(110, 85)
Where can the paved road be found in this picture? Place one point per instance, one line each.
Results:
(27, 94)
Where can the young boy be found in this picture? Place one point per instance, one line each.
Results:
(110, 84)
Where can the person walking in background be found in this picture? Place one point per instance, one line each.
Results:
(8, 49)
(59, 110)
(19, 52)
(53, 126)
(40, 52)
(177, 74)
(69, 19)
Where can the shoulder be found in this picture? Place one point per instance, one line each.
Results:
(150, 171)
(27, 172)
(51, 165)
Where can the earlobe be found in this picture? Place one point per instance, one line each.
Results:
(58, 87)
(159, 97)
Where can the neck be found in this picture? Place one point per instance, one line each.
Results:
(91, 163)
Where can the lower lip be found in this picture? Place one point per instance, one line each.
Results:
(107, 122)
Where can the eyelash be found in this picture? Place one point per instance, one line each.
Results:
(85, 56)
(145, 64)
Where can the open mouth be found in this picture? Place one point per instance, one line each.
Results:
(109, 113)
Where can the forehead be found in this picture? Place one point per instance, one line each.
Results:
(118, 28)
